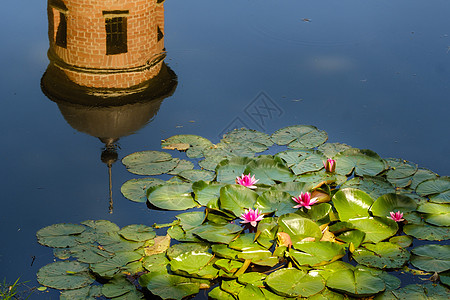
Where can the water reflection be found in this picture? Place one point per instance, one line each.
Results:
(107, 72)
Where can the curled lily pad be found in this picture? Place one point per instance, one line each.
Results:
(192, 144)
(64, 275)
(149, 162)
(381, 255)
(171, 196)
(136, 189)
(300, 137)
(392, 202)
(431, 258)
(60, 235)
(290, 282)
(364, 162)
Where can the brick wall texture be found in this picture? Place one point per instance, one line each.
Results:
(84, 58)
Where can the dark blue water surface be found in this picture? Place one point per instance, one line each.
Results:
(373, 74)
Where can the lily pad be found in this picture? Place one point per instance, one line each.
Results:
(206, 192)
(359, 283)
(391, 203)
(192, 144)
(269, 170)
(228, 169)
(431, 258)
(331, 149)
(275, 201)
(300, 137)
(290, 282)
(218, 233)
(117, 286)
(381, 255)
(436, 188)
(183, 165)
(298, 227)
(149, 162)
(420, 176)
(436, 213)
(376, 228)
(110, 267)
(169, 286)
(255, 140)
(303, 161)
(427, 232)
(352, 204)
(403, 241)
(363, 161)
(59, 235)
(316, 253)
(372, 185)
(172, 196)
(85, 293)
(236, 198)
(196, 175)
(137, 233)
(64, 275)
(190, 262)
(136, 189)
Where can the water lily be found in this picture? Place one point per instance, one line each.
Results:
(330, 165)
(251, 216)
(247, 181)
(304, 200)
(396, 216)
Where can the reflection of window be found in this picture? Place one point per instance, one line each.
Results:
(116, 32)
(61, 32)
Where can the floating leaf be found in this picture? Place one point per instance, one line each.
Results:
(376, 229)
(250, 292)
(137, 233)
(206, 192)
(427, 232)
(316, 253)
(180, 142)
(275, 201)
(392, 203)
(255, 140)
(183, 165)
(292, 282)
(300, 137)
(175, 196)
(372, 185)
(269, 170)
(352, 236)
(117, 286)
(59, 235)
(179, 249)
(236, 198)
(303, 161)
(84, 293)
(196, 175)
(219, 294)
(169, 286)
(136, 189)
(64, 275)
(403, 241)
(218, 233)
(431, 258)
(331, 149)
(298, 227)
(436, 213)
(190, 262)
(88, 253)
(155, 262)
(359, 283)
(420, 176)
(352, 204)
(437, 189)
(110, 267)
(149, 162)
(381, 255)
(363, 161)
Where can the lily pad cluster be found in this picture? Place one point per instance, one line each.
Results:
(344, 245)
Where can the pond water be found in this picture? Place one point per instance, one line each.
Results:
(373, 74)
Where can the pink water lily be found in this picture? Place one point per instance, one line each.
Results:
(247, 181)
(251, 216)
(396, 216)
(330, 165)
(304, 200)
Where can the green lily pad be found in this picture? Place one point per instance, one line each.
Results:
(89, 253)
(59, 235)
(137, 233)
(172, 196)
(183, 165)
(136, 189)
(437, 189)
(206, 192)
(117, 286)
(352, 236)
(290, 282)
(196, 175)
(149, 162)
(250, 292)
(427, 232)
(222, 250)
(299, 227)
(218, 233)
(192, 144)
(392, 203)
(84, 293)
(426, 291)
(269, 170)
(321, 176)
(431, 258)
(169, 286)
(228, 265)
(400, 172)
(331, 149)
(381, 255)
(64, 275)
(219, 294)
(403, 241)
(363, 161)
(236, 198)
(303, 161)
(436, 213)
(293, 188)
(178, 249)
(374, 186)
(190, 262)
(255, 140)
(359, 283)
(420, 176)
(155, 262)
(300, 137)
(111, 266)
(351, 204)
(275, 201)
(376, 228)
(227, 170)
(316, 253)
(254, 278)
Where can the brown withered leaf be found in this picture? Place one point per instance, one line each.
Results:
(177, 146)
(162, 243)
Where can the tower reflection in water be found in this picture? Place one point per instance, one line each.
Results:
(107, 72)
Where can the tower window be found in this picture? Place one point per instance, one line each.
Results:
(61, 32)
(116, 32)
